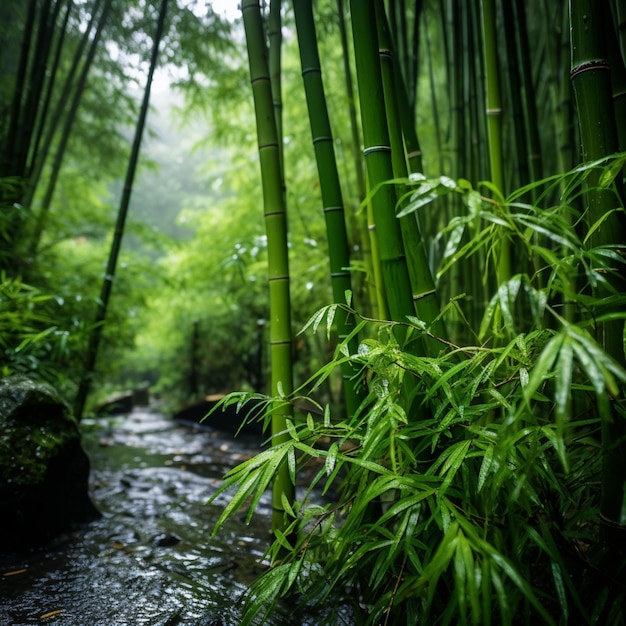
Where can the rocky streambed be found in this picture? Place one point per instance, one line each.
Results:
(151, 559)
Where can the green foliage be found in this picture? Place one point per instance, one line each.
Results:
(548, 240)
(477, 504)
(30, 338)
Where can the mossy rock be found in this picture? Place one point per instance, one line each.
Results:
(35, 425)
(43, 469)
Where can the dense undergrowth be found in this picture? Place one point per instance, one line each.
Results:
(466, 489)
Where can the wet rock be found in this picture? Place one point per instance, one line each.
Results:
(122, 402)
(225, 418)
(43, 468)
(165, 540)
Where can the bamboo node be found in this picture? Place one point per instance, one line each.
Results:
(321, 139)
(373, 149)
(257, 79)
(282, 342)
(331, 209)
(588, 66)
(311, 70)
(267, 145)
(495, 111)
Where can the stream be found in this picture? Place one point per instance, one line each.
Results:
(150, 560)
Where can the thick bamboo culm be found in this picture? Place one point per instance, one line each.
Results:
(277, 250)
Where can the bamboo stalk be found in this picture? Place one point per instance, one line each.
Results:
(275, 39)
(42, 110)
(10, 168)
(8, 160)
(618, 78)
(535, 159)
(66, 132)
(494, 119)
(591, 79)
(107, 283)
(278, 261)
(332, 199)
(52, 124)
(424, 290)
(34, 87)
(367, 292)
(377, 151)
(620, 21)
(518, 171)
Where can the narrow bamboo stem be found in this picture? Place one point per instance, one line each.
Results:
(366, 289)
(42, 110)
(66, 131)
(107, 283)
(494, 119)
(52, 124)
(332, 199)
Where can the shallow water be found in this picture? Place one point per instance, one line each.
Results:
(151, 559)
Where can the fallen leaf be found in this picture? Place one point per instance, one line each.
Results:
(51, 614)
(15, 572)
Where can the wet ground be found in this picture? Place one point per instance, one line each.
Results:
(151, 559)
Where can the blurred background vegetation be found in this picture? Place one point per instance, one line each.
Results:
(189, 304)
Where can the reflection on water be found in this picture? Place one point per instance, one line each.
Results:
(151, 558)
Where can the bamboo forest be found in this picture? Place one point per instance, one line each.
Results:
(383, 242)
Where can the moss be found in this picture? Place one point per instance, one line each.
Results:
(35, 427)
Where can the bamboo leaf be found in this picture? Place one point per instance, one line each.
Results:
(471, 586)
(543, 366)
(598, 224)
(327, 416)
(331, 458)
(562, 395)
(245, 488)
(559, 585)
(485, 467)
(315, 320)
(291, 465)
(329, 320)
(460, 577)
(506, 566)
(288, 509)
(439, 562)
(405, 503)
(454, 239)
(611, 171)
(453, 462)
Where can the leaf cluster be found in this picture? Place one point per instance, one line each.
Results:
(466, 488)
